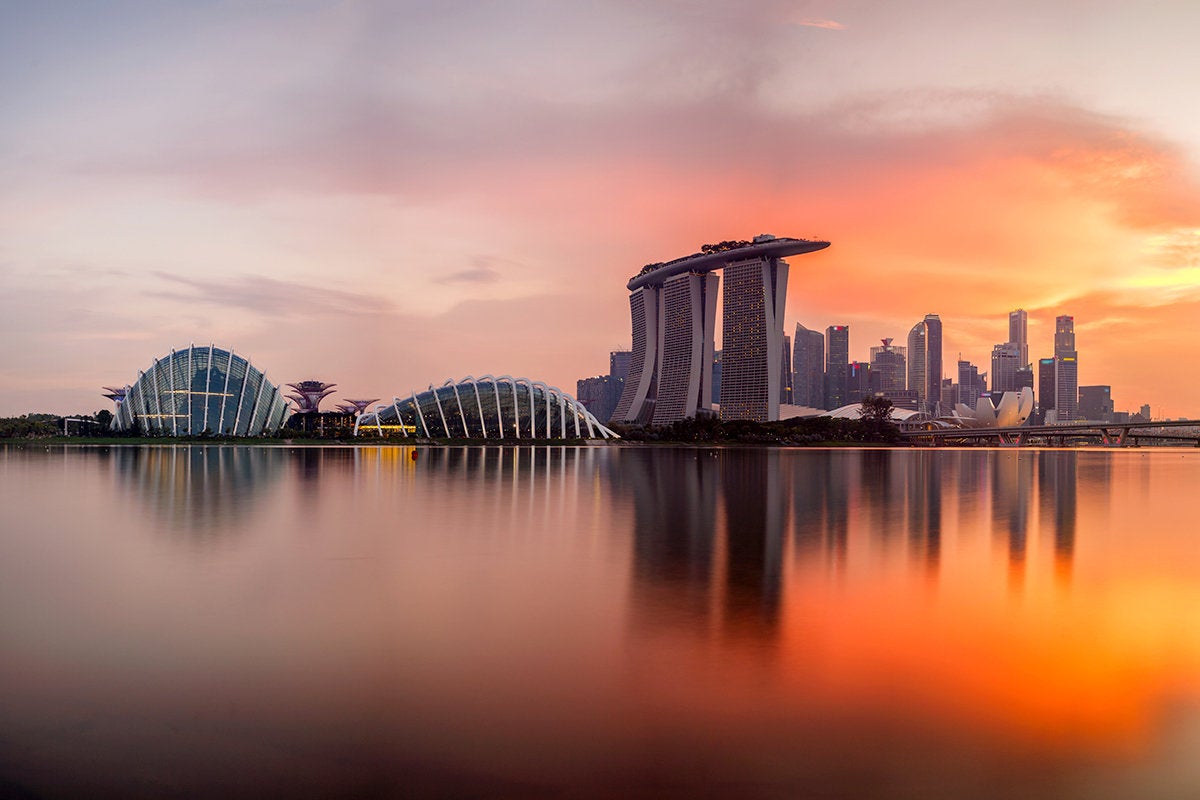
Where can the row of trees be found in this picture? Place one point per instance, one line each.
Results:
(36, 426)
(875, 427)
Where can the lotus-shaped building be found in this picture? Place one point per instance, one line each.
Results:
(485, 408)
(1014, 409)
(197, 390)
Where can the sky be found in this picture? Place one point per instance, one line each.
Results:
(387, 195)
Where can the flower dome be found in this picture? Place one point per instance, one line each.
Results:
(201, 389)
(486, 408)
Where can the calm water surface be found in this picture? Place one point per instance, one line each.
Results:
(599, 622)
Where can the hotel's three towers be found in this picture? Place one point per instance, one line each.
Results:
(673, 310)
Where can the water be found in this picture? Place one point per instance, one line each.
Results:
(599, 622)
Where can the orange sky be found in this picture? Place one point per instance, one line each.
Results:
(378, 199)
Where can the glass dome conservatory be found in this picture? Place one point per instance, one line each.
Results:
(486, 408)
(201, 389)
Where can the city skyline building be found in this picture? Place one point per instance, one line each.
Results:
(752, 338)
(687, 319)
(925, 362)
(1006, 360)
(1018, 333)
(858, 382)
(1095, 403)
(837, 360)
(672, 311)
(971, 384)
(889, 365)
(1066, 370)
(1045, 389)
(808, 368)
(785, 372)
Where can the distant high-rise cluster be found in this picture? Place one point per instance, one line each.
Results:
(673, 370)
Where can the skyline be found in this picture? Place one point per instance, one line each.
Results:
(392, 196)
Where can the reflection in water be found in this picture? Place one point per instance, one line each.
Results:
(198, 488)
(598, 621)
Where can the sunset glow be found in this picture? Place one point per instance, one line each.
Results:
(383, 195)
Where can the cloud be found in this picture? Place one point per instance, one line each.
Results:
(269, 296)
(827, 24)
(480, 272)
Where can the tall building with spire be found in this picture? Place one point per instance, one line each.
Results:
(1066, 370)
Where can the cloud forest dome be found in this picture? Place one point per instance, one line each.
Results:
(486, 408)
(200, 389)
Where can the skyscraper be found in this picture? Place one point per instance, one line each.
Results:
(687, 316)
(673, 312)
(858, 382)
(1066, 370)
(1006, 360)
(808, 368)
(752, 345)
(970, 383)
(837, 359)
(1018, 334)
(925, 362)
(888, 364)
(1045, 390)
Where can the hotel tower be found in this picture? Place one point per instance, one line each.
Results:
(673, 310)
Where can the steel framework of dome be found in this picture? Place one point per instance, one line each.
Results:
(201, 389)
(487, 407)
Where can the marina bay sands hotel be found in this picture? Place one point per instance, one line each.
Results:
(673, 307)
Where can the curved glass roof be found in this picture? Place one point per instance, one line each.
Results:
(201, 390)
(485, 408)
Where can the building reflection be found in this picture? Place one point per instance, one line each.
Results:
(1012, 488)
(1058, 483)
(202, 489)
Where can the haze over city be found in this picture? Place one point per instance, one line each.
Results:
(388, 196)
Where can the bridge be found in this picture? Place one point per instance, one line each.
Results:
(1110, 434)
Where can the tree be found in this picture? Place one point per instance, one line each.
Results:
(877, 409)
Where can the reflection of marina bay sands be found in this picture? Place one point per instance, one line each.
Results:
(673, 309)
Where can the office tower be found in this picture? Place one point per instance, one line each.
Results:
(970, 383)
(1066, 370)
(1095, 403)
(888, 365)
(1145, 412)
(1045, 390)
(1006, 360)
(673, 315)
(858, 382)
(837, 359)
(785, 389)
(925, 362)
(1024, 378)
(808, 368)
(1064, 335)
(950, 395)
(1066, 391)
(1018, 334)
